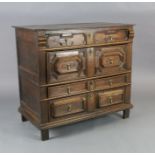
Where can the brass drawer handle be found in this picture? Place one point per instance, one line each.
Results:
(68, 66)
(110, 100)
(69, 108)
(111, 61)
(84, 100)
(110, 83)
(68, 89)
(91, 85)
(110, 38)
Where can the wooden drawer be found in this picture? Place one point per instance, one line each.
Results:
(112, 59)
(111, 97)
(111, 36)
(83, 37)
(66, 65)
(70, 105)
(68, 89)
(89, 85)
(115, 81)
(87, 62)
(58, 39)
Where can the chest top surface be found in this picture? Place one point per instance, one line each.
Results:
(73, 26)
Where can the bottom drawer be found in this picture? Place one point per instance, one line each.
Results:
(111, 97)
(70, 105)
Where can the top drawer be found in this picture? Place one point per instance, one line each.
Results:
(66, 39)
(75, 38)
(110, 36)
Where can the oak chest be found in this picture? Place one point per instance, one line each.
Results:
(73, 72)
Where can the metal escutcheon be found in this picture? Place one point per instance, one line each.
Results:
(69, 108)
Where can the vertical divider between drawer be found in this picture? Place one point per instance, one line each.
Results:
(90, 63)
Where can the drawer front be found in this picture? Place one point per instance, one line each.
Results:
(73, 38)
(87, 62)
(66, 65)
(111, 97)
(115, 81)
(68, 89)
(111, 60)
(89, 85)
(67, 106)
(58, 39)
(110, 36)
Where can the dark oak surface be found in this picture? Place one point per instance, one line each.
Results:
(73, 72)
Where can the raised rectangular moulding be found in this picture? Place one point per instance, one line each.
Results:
(66, 65)
(112, 59)
(111, 36)
(112, 82)
(67, 106)
(65, 39)
(111, 97)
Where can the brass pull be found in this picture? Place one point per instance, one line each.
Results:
(84, 100)
(68, 66)
(111, 61)
(68, 90)
(110, 38)
(110, 82)
(91, 85)
(110, 99)
(69, 108)
(90, 37)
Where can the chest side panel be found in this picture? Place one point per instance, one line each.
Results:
(28, 69)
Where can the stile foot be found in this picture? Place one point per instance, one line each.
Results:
(23, 118)
(44, 134)
(126, 113)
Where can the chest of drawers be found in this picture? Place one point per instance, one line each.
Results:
(73, 72)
